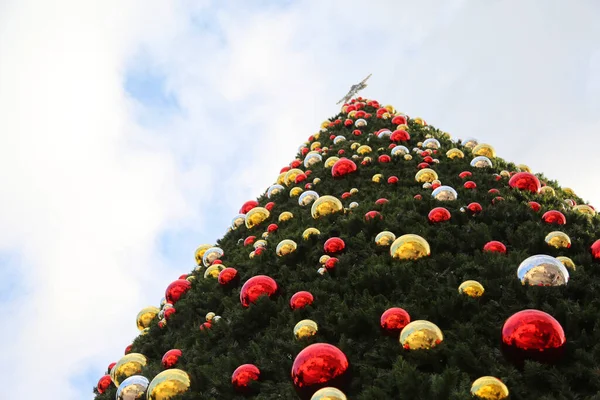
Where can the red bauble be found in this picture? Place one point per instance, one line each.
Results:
(256, 287)
(535, 206)
(250, 204)
(525, 181)
(422, 165)
(439, 214)
(176, 289)
(428, 159)
(465, 174)
(331, 263)
(317, 366)
(334, 245)
(183, 276)
(272, 228)
(111, 365)
(357, 132)
(169, 311)
(243, 376)
(497, 199)
(331, 137)
(337, 121)
(205, 326)
(308, 186)
(373, 216)
(435, 185)
(360, 114)
(341, 152)
(300, 300)
(304, 152)
(418, 197)
(474, 208)
(228, 276)
(346, 195)
(391, 146)
(497, 177)
(128, 349)
(533, 335)
(493, 191)
(249, 240)
(393, 320)
(348, 122)
(384, 158)
(343, 167)
(104, 383)
(366, 161)
(470, 185)
(258, 251)
(169, 360)
(381, 201)
(494, 246)
(296, 163)
(269, 206)
(217, 262)
(300, 178)
(399, 135)
(595, 248)
(285, 169)
(554, 217)
(399, 120)
(392, 180)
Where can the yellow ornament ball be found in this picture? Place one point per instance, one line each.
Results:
(315, 145)
(384, 238)
(290, 176)
(547, 191)
(264, 235)
(256, 216)
(420, 121)
(354, 146)
(308, 232)
(145, 317)
(423, 175)
(295, 192)
(471, 288)
(190, 278)
(329, 393)
(168, 384)
(305, 329)
(286, 247)
(210, 316)
(485, 150)
(455, 153)
(567, 262)
(585, 210)
(505, 174)
(559, 240)
(569, 192)
(420, 334)
(129, 365)
(364, 149)
(285, 216)
(489, 388)
(407, 157)
(260, 243)
(326, 205)
(323, 259)
(330, 161)
(524, 168)
(316, 181)
(200, 252)
(281, 178)
(377, 178)
(353, 191)
(145, 331)
(410, 247)
(252, 254)
(238, 221)
(213, 271)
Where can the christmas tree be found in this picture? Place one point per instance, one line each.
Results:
(388, 261)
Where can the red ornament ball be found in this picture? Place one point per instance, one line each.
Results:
(357, 132)
(535, 206)
(317, 366)
(343, 167)
(494, 246)
(176, 289)
(295, 163)
(249, 240)
(169, 311)
(439, 214)
(381, 201)
(258, 251)
(533, 335)
(475, 208)
(399, 135)
(470, 185)
(228, 276)
(183, 276)
(284, 169)
(170, 358)
(256, 287)
(250, 204)
(334, 245)
(341, 152)
(205, 326)
(418, 197)
(346, 195)
(300, 300)
(243, 376)
(373, 216)
(435, 185)
(217, 262)
(272, 228)
(348, 122)
(111, 365)
(554, 217)
(393, 320)
(269, 206)
(300, 178)
(422, 165)
(304, 152)
(104, 383)
(399, 120)
(392, 180)
(465, 174)
(493, 191)
(525, 181)
(331, 263)
(595, 248)
(128, 349)
(497, 199)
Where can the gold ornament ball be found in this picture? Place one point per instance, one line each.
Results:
(569, 192)
(407, 157)
(420, 121)
(252, 254)
(315, 145)
(211, 255)
(272, 191)
(256, 216)
(213, 271)
(384, 238)
(377, 178)
(259, 243)
(145, 331)
(471, 289)
(290, 176)
(326, 205)
(567, 262)
(210, 316)
(305, 329)
(485, 150)
(296, 191)
(431, 143)
(308, 232)
(420, 334)
(354, 146)
(559, 240)
(410, 247)
(426, 175)
(190, 278)
(505, 174)
(238, 221)
(523, 168)
(330, 161)
(129, 365)
(353, 191)
(281, 178)
(285, 216)
(145, 317)
(364, 149)
(329, 393)
(316, 181)
(547, 191)
(585, 210)
(489, 388)
(168, 384)
(470, 143)
(264, 235)
(455, 153)
(323, 259)
(286, 247)
(200, 252)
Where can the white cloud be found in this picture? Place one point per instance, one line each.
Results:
(87, 193)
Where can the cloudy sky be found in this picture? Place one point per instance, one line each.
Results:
(132, 130)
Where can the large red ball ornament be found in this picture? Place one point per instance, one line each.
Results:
(111, 365)
(470, 185)
(249, 205)
(128, 349)
(249, 240)
(535, 206)
(373, 216)
(295, 163)
(300, 178)
(439, 214)
(422, 165)
(346, 195)
(399, 135)
(300, 300)
(381, 201)
(533, 335)
(228, 277)
(176, 289)
(169, 311)
(104, 383)
(393, 320)
(554, 217)
(272, 228)
(392, 180)
(269, 206)
(243, 376)
(331, 263)
(334, 245)
(525, 181)
(399, 120)
(170, 358)
(317, 366)
(343, 167)
(256, 287)
(284, 169)
(384, 158)
(595, 248)
(465, 174)
(494, 246)
(474, 208)
(348, 122)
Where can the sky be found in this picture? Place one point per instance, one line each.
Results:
(131, 132)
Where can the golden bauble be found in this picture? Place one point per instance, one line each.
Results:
(308, 232)
(455, 153)
(385, 238)
(364, 149)
(315, 145)
(326, 205)
(281, 179)
(168, 384)
(259, 243)
(569, 192)
(354, 146)
(129, 365)
(547, 191)
(505, 174)
(330, 161)
(305, 329)
(329, 393)
(256, 216)
(481, 162)
(316, 181)
(559, 240)
(567, 262)
(420, 334)
(286, 247)
(485, 150)
(407, 157)
(409, 247)
(238, 221)
(213, 271)
(296, 191)
(471, 288)
(285, 216)
(489, 388)
(426, 175)
(323, 259)
(431, 143)
(353, 191)
(523, 168)
(585, 210)
(290, 176)
(273, 190)
(145, 317)
(377, 178)
(200, 252)
(210, 316)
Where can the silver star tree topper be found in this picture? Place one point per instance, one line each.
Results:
(354, 89)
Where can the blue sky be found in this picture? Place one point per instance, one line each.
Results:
(132, 131)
